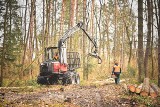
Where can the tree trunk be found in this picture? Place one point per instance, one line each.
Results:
(148, 46)
(55, 16)
(122, 48)
(25, 39)
(4, 43)
(52, 29)
(99, 26)
(71, 23)
(49, 15)
(35, 36)
(107, 34)
(43, 30)
(62, 17)
(152, 59)
(92, 18)
(115, 33)
(46, 28)
(84, 41)
(158, 45)
(77, 7)
(55, 20)
(31, 40)
(140, 39)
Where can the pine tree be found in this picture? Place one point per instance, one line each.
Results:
(12, 38)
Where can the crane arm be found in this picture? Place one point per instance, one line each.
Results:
(68, 34)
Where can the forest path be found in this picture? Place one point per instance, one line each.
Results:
(108, 95)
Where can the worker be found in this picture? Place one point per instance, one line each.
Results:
(55, 57)
(116, 71)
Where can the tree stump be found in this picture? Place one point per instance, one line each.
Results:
(145, 87)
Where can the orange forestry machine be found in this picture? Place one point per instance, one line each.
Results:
(59, 65)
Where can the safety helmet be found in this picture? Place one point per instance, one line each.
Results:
(116, 62)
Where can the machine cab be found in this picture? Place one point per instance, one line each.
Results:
(51, 64)
(51, 53)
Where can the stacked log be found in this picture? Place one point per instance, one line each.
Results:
(132, 88)
(139, 88)
(145, 89)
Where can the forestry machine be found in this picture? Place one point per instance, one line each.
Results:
(62, 69)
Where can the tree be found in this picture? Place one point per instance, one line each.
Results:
(12, 40)
(115, 34)
(148, 46)
(140, 39)
(158, 44)
(71, 20)
(85, 75)
(24, 40)
(4, 46)
(107, 33)
(62, 17)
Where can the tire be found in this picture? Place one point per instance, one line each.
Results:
(73, 79)
(65, 79)
(69, 78)
(52, 79)
(42, 80)
(77, 78)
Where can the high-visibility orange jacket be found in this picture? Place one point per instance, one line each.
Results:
(116, 68)
(56, 57)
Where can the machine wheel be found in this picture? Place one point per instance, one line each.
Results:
(42, 80)
(53, 80)
(77, 78)
(65, 79)
(73, 79)
(69, 78)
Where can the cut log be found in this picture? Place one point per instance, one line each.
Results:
(139, 88)
(152, 93)
(143, 93)
(155, 88)
(132, 88)
(145, 87)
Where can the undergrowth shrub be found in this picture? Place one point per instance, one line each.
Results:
(20, 83)
(32, 82)
(130, 73)
(148, 101)
(131, 70)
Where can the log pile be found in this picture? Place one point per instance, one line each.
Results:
(145, 89)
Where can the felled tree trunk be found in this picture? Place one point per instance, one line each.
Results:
(152, 93)
(155, 88)
(145, 87)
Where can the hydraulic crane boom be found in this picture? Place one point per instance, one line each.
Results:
(68, 34)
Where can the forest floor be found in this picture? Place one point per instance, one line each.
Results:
(97, 94)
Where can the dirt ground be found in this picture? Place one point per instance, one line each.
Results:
(106, 95)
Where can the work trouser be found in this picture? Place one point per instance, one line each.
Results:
(117, 79)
